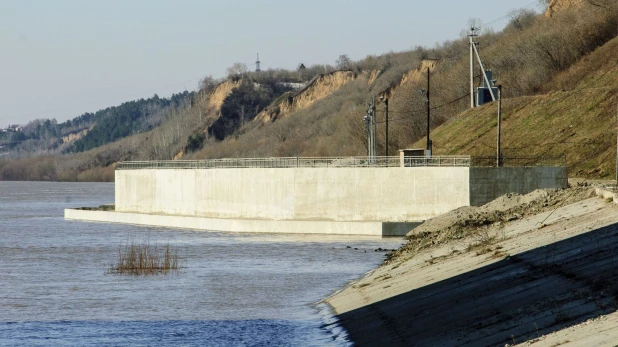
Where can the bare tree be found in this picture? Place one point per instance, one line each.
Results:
(207, 83)
(237, 70)
(344, 62)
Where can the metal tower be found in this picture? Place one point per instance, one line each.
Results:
(257, 63)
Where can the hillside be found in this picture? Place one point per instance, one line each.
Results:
(91, 130)
(556, 70)
(320, 87)
(576, 116)
(533, 56)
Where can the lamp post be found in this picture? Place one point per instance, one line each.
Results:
(382, 98)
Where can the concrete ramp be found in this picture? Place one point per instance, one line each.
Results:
(538, 281)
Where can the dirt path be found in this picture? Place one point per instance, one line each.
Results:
(514, 270)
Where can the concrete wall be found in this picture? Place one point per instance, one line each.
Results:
(488, 183)
(340, 194)
(335, 194)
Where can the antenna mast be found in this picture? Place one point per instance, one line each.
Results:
(257, 63)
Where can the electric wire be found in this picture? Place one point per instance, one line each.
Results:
(413, 113)
(506, 15)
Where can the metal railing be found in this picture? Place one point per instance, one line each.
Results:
(452, 160)
(559, 160)
(291, 162)
(334, 162)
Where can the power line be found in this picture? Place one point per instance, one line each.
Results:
(505, 16)
(450, 102)
(412, 113)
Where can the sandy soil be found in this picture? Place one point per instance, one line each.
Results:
(537, 268)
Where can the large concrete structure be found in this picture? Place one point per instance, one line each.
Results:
(337, 194)
(313, 199)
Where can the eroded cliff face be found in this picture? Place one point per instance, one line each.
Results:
(559, 5)
(321, 87)
(420, 72)
(413, 76)
(222, 91)
(75, 136)
(326, 84)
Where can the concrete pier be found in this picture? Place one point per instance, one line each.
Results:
(322, 198)
(371, 228)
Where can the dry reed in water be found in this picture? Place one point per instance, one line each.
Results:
(145, 259)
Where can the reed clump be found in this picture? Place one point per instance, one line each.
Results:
(144, 258)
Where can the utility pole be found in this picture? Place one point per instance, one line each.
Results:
(382, 98)
(368, 129)
(370, 123)
(472, 35)
(428, 149)
(375, 125)
(498, 154)
(386, 111)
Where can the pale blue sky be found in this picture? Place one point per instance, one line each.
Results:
(62, 58)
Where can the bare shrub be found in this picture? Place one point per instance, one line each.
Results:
(145, 258)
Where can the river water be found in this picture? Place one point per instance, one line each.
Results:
(233, 289)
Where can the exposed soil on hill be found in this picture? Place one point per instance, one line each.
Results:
(319, 88)
(75, 136)
(222, 91)
(559, 5)
(420, 73)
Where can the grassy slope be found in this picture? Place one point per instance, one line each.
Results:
(576, 117)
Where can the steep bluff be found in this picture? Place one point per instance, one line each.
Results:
(326, 84)
(559, 5)
(222, 91)
(414, 76)
(319, 88)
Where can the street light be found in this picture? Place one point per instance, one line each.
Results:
(382, 98)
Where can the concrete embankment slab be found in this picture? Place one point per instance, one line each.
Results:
(376, 228)
(549, 272)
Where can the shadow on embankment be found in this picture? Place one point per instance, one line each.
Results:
(516, 299)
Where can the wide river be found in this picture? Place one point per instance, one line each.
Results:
(233, 289)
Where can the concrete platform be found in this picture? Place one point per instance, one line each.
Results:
(368, 228)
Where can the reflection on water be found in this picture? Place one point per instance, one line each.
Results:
(236, 289)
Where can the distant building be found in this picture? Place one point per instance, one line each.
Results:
(13, 128)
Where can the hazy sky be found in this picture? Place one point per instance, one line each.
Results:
(61, 58)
